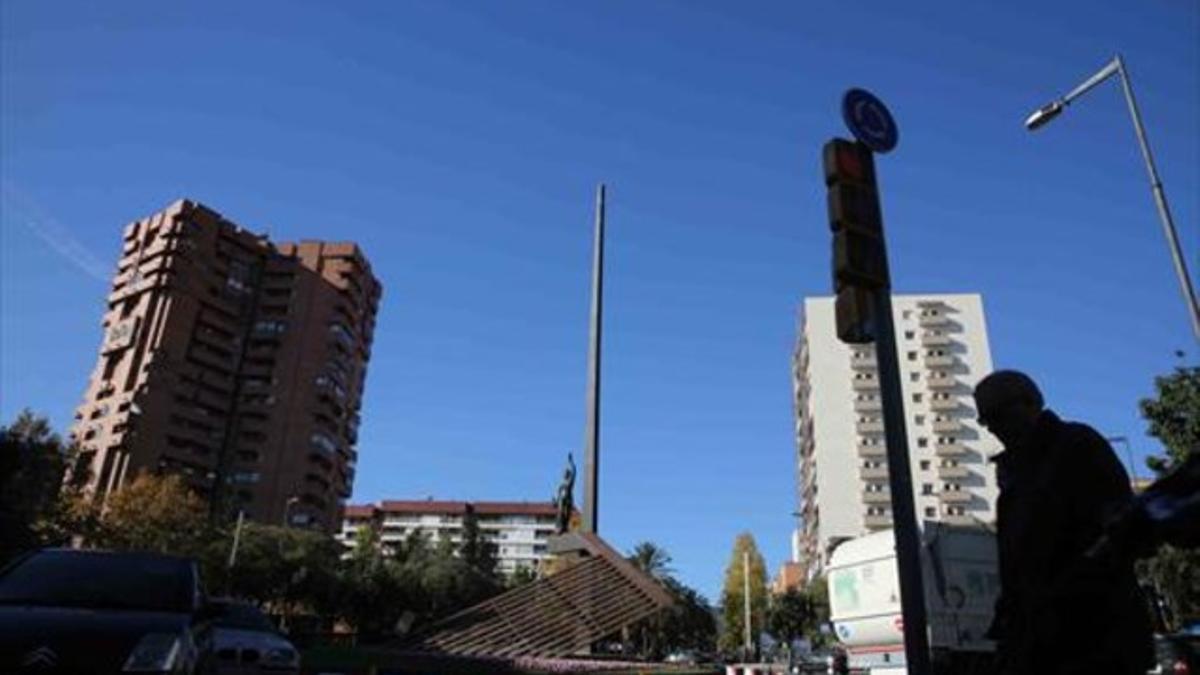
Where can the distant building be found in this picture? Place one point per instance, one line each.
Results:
(234, 362)
(842, 472)
(519, 530)
(789, 577)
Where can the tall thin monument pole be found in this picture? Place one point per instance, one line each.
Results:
(591, 440)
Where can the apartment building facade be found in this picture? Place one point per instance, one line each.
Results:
(233, 362)
(842, 471)
(520, 530)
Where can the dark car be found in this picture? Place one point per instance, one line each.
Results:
(247, 643)
(1177, 654)
(68, 611)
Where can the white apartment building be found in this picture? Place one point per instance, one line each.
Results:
(841, 455)
(518, 529)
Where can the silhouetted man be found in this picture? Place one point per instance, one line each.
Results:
(1059, 611)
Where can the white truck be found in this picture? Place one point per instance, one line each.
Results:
(961, 580)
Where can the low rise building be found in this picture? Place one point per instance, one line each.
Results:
(519, 530)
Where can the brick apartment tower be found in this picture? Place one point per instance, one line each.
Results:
(234, 362)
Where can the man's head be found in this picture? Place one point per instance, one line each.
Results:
(1008, 403)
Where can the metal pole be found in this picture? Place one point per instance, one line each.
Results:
(1160, 200)
(746, 598)
(904, 521)
(237, 537)
(591, 439)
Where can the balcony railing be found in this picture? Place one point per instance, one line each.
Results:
(877, 497)
(950, 450)
(876, 521)
(955, 496)
(953, 472)
(872, 450)
(869, 427)
(868, 405)
(873, 472)
(865, 384)
(947, 425)
(929, 339)
(942, 382)
(944, 404)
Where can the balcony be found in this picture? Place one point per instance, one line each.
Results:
(880, 497)
(950, 450)
(944, 404)
(943, 361)
(933, 320)
(869, 427)
(873, 472)
(865, 384)
(959, 520)
(877, 522)
(942, 382)
(872, 451)
(953, 472)
(929, 339)
(955, 496)
(947, 425)
(868, 406)
(866, 362)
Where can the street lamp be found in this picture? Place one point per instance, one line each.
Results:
(1128, 453)
(287, 509)
(1055, 108)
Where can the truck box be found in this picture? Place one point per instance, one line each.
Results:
(962, 582)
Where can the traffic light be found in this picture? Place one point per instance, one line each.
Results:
(859, 255)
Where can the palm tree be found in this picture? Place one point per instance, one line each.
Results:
(652, 559)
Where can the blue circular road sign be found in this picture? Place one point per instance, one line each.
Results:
(869, 120)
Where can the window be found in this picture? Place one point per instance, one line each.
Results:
(927, 489)
(907, 314)
(913, 377)
(924, 465)
(922, 442)
(912, 356)
(919, 419)
(917, 397)
(908, 335)
(930, 512)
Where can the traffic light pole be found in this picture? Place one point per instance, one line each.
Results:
(904, 518)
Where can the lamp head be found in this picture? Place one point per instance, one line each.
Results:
(1043, 115)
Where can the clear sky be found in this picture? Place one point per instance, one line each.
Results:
(460, 142)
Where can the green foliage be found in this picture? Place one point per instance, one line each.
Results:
(476, 550)
(688, 624)
(816, 594)
(32, 462)
(1173, 416)
(789, 615)
(651, 559)
(733, 596)
(520, 576)
(153, 513)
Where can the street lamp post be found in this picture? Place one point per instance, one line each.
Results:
(287, 510)
(1053, 109)
(1128, 453)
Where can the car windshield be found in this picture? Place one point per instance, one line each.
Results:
(100, 581)
(244, 617)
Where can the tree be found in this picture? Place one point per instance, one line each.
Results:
(688, 624)
(476, 550)
(651, 559)
(32, 462)
(789, 616)
(733, 595)
(154, 513)
(1173, 416)
(816, 593)
(521, 575)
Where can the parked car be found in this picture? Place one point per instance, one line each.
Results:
(68, 611)
(247, 643)
(1177, 654)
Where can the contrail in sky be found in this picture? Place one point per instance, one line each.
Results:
(24, 210)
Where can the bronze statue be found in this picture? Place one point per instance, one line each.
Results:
(564, 498)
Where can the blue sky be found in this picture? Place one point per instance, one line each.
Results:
(459, 144)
